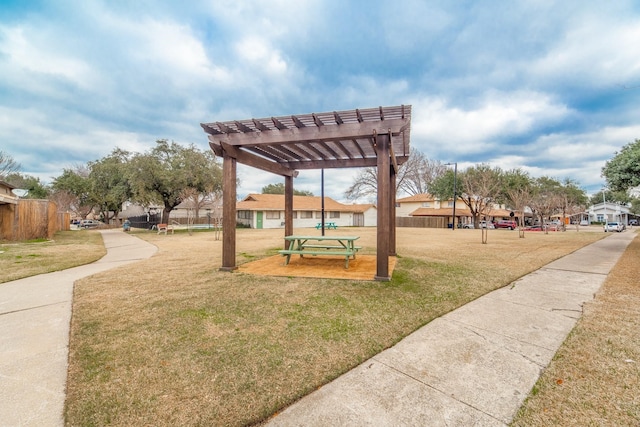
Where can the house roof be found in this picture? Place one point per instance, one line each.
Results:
(8, 197)
(275, 202)
(417, 198)
(500, 212)
(440, 212)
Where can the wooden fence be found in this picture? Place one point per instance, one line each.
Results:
(31, 219)
(422, 222)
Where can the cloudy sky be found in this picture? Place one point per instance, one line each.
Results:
(552, 87)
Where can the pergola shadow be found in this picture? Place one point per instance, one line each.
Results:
(377, 137)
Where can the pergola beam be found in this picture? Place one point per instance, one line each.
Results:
(249, 159)
(310, 134)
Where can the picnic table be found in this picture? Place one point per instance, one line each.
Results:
(328, 225)
(321, 245)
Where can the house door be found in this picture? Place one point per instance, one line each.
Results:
(358, 220)
(259, 220)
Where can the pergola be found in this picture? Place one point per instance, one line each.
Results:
(338, 139)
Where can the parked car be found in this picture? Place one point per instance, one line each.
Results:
(505, 223)
(481, 224)
(633, 222)
(89, 223)
(613, 226)
(584, 222)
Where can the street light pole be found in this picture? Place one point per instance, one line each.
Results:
(455, 194)
(604, 205)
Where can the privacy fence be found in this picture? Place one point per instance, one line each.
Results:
(31, 219)
(422, 222)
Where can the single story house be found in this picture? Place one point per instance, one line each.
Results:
(609, 212)
(267, 211)
(426, 205)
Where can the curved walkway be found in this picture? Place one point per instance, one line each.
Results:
(35, 314)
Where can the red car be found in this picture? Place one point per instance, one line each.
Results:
(511, 225)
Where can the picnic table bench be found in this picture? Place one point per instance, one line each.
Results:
(328, 225)
(321, 245)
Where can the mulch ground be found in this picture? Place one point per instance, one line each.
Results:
(324, 267)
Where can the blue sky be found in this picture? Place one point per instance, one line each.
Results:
(549, 87)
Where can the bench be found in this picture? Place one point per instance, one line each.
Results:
(163, 228)
(346, 253)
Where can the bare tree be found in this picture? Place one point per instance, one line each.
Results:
(7, 165)
(517, 191)
(415, 176)
(365, 184)
(419, 173)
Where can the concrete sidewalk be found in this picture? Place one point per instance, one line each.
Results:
(35, 313)
(473, 366)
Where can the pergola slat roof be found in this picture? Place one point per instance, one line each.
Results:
(338, 139)
(333, 139)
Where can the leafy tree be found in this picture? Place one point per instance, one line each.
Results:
(611, 197)
(546, 198)
(109, 183)
(573, 199)
(279, 189)
(165, 172)
(635, 206)
(8, 165)
(35, 188)
(623, 171)
(479, 187)
(208, 191)
(72, 190)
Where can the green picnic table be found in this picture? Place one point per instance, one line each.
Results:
(321, 245)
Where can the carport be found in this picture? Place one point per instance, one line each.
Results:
(339, 139)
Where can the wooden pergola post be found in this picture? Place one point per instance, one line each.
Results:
(384, 197)
(228, 213)
(392, 211)
(288, 209)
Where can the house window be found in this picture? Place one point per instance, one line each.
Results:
(294, 215)
(334, 214)
(244, 214)
(306, 214)
(273, 214)
(426, 204)
(450, 204)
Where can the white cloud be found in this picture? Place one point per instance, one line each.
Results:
(497, 116)
(29, 52)
(260, 55)
(598, 50)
